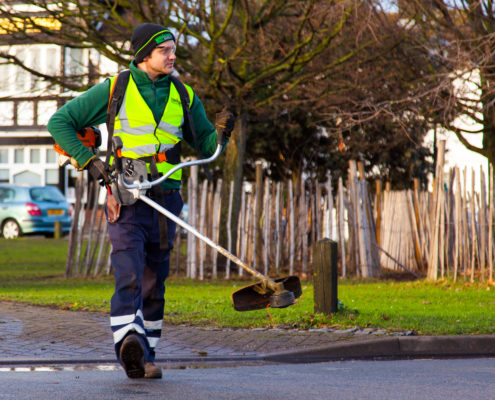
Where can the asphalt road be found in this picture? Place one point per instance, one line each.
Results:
(416, 379)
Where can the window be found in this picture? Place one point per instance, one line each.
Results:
(21, 78)
(35, 155)
(6, 195)
(4, 156)
(6, 113)
(51, 177)
(4, 72)
(48, 193)
(51, 156)
(19, 156)
(27, 178)
(43, 58)
(25, 113)
(45, 111)
(35, 64)
(4, 175)
(75, 66)
(53, 63)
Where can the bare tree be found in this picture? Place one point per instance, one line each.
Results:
(459, 37)
(253, 54)
(370, 108)
(244, 54)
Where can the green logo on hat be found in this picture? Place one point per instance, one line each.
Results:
(164, 37)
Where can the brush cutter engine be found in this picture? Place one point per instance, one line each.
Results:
(130, 176)
(133, 173)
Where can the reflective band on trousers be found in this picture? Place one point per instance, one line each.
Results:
(141, 135)
(153, 331)
(125, 319)
(121, 333)
(153, 324)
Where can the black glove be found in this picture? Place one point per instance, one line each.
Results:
(97, 170)
(224, 122)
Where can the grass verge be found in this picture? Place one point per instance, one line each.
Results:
(32, 271)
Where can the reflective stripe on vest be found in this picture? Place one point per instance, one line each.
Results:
(141, 135)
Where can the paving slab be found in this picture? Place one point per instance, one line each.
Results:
(37, 335)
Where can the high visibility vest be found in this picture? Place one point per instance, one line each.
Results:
(141, 135)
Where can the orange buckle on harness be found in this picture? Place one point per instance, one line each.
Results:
(160, 157)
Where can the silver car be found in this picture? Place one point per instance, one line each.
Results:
(32, 209)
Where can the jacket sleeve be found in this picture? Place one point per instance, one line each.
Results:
(205, 131)
(88, 109)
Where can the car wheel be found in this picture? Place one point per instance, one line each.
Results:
(11, 229)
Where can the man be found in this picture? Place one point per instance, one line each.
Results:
(151, 117)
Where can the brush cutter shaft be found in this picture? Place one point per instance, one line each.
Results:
(141, 187)
(266, 281)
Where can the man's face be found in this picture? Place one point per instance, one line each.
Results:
(162, 58)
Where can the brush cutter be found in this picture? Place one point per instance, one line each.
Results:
(132, 183)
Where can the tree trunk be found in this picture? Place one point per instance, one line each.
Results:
(69, 263)
(489, 133)
(234, 161)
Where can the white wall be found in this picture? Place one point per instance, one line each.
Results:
(456, 153)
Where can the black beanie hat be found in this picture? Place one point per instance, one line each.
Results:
(146, 37)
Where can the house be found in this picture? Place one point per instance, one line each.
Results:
(27, 102)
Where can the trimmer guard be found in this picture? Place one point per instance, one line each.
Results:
(257, 296)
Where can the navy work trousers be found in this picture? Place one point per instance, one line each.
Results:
(141, 268)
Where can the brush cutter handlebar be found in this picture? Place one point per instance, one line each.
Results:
(146, 185)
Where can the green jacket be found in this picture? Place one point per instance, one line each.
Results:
(90, 109)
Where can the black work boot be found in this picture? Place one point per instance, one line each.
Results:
(132, 356)
(151, 371)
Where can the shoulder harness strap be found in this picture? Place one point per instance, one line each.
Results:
(116, 97)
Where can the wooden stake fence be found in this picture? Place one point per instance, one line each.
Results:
(447, 233)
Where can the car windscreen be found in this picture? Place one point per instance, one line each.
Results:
(47, 193)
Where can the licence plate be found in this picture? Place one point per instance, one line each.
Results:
(55, 212)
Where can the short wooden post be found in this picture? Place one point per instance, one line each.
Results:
(325, 276)
(57, 230)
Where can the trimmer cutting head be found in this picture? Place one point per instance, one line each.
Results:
(258, 296)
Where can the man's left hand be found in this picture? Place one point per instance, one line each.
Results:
(224, 122)
(97, 170)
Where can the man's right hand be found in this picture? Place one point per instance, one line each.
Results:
(97, 170)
